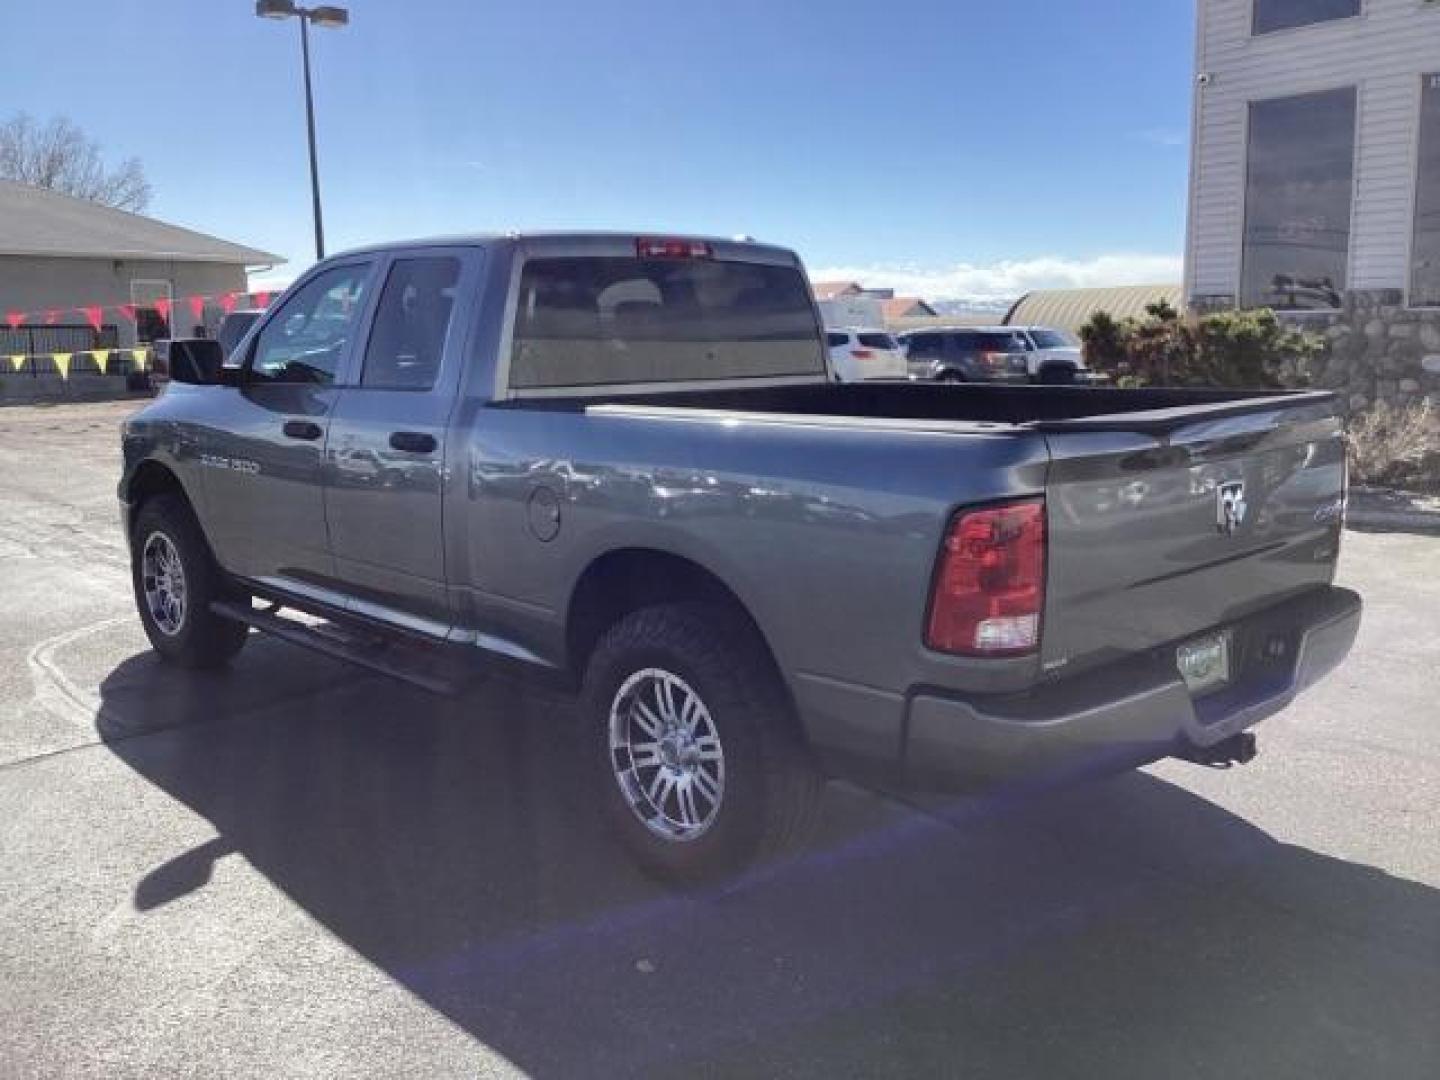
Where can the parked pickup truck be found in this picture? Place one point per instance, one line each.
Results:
(623, 462)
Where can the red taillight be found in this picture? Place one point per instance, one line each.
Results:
(990, 583)
(659, 247)
(862, 354)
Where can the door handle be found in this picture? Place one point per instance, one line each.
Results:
(413, 442)
(302, 429)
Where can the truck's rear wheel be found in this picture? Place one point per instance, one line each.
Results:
(699, 769)
(175, 579)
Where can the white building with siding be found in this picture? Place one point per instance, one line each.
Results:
(1315, 177)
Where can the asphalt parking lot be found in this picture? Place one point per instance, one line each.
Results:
(293, 869)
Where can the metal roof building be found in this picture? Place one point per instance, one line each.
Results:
(41, 222)
(1070, 309)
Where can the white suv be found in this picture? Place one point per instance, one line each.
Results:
(857, 354)
(1054, 356)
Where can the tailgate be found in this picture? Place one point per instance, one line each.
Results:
(1168, 525)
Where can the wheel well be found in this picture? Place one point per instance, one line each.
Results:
(623, 581)
(152, 479)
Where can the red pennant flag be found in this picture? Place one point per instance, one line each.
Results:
(128, 310)
(197, 307)
(227, 301)
(163, 306)
(92, 316)
(260, 299)
(52, 317)
(14, 318)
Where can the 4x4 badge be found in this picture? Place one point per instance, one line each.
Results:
(1230, 506)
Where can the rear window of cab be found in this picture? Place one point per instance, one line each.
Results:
(606, 320)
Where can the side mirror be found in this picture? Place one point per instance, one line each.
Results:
(197, 361)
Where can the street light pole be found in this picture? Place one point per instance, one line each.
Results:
(325, 16)
(310, 135)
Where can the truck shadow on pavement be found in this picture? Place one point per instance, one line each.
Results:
(1126, 927)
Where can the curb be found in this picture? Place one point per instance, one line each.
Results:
(1417, 520)
(1405, 512)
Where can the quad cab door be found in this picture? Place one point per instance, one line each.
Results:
(386, 473)
(263, 478)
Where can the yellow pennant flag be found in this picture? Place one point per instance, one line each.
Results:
(62, 363)
(17, 361)
(102, 359)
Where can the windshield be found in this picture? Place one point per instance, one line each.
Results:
(1051, 339)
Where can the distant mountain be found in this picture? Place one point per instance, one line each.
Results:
(972, 307)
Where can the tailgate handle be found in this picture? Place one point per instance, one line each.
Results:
(302, 429)
(412, 442)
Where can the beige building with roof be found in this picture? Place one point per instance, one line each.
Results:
(59, 255)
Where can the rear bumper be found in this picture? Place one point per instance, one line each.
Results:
(1126, 713)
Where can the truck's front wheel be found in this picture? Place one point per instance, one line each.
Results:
(175, 580)
(700, 770)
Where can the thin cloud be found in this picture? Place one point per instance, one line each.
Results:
(990, 283)
(1162, 136)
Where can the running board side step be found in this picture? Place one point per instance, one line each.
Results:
(376, 654)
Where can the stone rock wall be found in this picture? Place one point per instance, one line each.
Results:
(1379, 350)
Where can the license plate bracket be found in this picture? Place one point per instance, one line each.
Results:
(1204, 662)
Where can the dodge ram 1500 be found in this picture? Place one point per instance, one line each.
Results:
(623, 461)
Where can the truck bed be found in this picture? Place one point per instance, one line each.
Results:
(1043, 408)
(1138, 558)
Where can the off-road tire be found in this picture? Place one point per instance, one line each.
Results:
(772, 787)
(203, 639)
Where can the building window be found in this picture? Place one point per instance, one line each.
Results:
(1300, 174)
(1271, 15)
(1425, 251)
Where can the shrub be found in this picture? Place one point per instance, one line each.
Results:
(1395, 445)
(1105, 341)
(1227, 348)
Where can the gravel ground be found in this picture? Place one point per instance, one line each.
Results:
(293, 869)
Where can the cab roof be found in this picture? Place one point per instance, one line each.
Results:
(562, 237)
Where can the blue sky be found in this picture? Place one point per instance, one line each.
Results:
(951, 147)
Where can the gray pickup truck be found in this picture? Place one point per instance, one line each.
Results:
(623, 461)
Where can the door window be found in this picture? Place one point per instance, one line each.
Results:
(1007, 342)
(305, 341)
(411, 324)
(925, 347)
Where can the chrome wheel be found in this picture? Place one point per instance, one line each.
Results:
(666, 755)
(163, 579)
